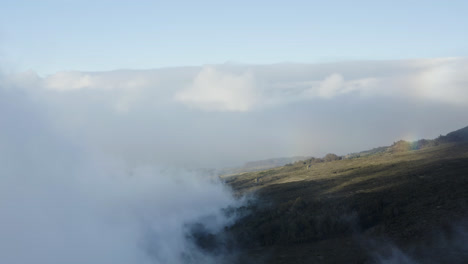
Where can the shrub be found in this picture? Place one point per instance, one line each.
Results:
(331, 157)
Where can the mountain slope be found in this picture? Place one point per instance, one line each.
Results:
(262, 165)
(460, 135)
(331, 211)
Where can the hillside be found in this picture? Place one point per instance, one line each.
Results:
(259, 165)
(460, 135)
(362, 209)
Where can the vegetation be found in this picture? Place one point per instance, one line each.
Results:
(261, 165)
(331, 157)
(402, 192)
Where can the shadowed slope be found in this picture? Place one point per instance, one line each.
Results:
(329, 212)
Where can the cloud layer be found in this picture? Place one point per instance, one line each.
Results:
(236, 112)
(232, 87)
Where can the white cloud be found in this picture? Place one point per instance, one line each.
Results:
(73, 80)
(443, 80)
(241, 88)
(331, 86)
(214, 90)
(170, 114)
(64, 81)
(335, 85)
(123, 87)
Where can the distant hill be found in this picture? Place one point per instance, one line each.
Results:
(259, 165)
(457, 136)
(460, 135)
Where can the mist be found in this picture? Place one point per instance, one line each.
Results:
(62, 202)
(103, 167)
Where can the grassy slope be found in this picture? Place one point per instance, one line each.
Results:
(314, 215)
(261, 165)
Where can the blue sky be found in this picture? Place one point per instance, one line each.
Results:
(51, 36)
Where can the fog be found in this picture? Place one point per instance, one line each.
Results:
(102, 167)
(62, 202)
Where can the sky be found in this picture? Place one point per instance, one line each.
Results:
(52, 36)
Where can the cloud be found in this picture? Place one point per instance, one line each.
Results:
(442, 80)
(62, 202)
(329, 87)
(335, 85)
(223, 115)
(242, 88)
(93, 165)
(214, 90)
(69, 81)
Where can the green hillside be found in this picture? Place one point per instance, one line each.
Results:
(318, 211)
